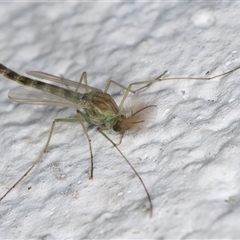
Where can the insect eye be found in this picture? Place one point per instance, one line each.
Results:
(117, 127)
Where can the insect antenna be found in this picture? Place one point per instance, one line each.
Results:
(134, 120)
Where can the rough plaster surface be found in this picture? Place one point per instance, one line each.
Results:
(187, 154)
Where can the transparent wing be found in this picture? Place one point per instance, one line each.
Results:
(61, 80)
(29, 95)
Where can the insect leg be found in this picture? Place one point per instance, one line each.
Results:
(158, 79)
(23, 176)
(116, 83)
(131, 166)
(83, 118)
(128, 89)
(82, 78)
(145, 83)
(40, 156)
(52, 128)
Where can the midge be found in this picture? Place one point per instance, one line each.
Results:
(93, 106)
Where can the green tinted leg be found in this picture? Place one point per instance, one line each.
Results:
(82, 119)
(131, 166)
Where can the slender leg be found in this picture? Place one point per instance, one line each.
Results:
(158, 79)
(116, 83)
(41, 154)
(82, 78)
(145, 83)
(128, 89)
(131, 166)
(52, 128)
(82, 118)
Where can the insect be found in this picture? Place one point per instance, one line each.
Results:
(93, 106)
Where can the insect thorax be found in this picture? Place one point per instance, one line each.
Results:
(101, 108)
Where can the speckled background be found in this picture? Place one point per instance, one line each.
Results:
(187, 153)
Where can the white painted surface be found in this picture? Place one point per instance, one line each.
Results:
(188, 155)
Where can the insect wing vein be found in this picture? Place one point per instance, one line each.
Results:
(25, 94)
(63, 82)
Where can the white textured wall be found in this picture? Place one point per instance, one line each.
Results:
(188, 154)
